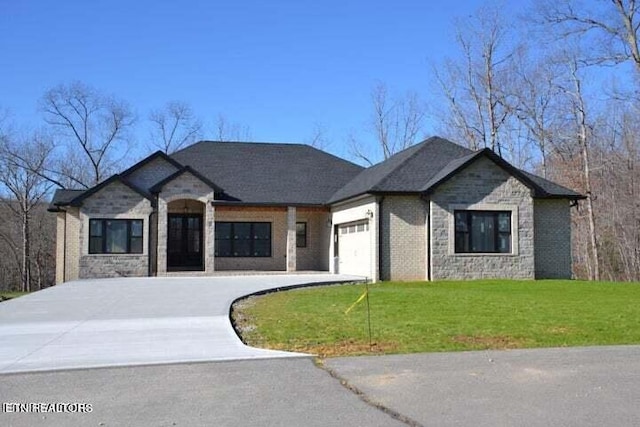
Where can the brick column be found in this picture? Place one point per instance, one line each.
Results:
(291, 239)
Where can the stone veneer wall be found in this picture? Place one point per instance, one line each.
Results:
(114, 201)
(187, 187)
(403, 249)
(277, 216)
(482, 182)
(552, 225)
(316, 255)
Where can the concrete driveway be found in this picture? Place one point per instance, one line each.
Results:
(126, 322)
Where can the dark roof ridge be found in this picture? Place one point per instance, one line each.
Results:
(213, 141)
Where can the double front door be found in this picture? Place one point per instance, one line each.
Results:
(184, 242)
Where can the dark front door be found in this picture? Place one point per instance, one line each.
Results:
(184, 242)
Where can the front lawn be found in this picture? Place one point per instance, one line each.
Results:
(443, 316)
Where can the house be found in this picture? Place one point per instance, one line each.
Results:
(433, 211)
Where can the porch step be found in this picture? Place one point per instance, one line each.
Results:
(234, 273)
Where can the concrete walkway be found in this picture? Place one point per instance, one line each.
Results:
(126, 322)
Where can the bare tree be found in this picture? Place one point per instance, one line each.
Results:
(477, 86)
(538, 103)
(92, 128)
(614, 25)
(573, 87)
(225, 130)
(318, 138)
(25, 189)
(174, 126)
(396, 123)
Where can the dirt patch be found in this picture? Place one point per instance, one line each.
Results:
(490, 342)
(340, 348)
(241, 323)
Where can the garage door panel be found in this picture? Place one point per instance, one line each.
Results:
(354, 249)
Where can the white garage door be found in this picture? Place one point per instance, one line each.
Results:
(354, 249)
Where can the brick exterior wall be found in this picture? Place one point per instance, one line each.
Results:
(403, 250)
(316, 255)
(552, 225)
(72, 247)
(278, 219)
(60, 246)
(481, 183)
(113, 201)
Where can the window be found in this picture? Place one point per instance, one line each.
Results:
(301, 234)
(243, 239)
(115, 236)
(482, 231)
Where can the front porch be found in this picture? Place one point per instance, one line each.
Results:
(197, 237)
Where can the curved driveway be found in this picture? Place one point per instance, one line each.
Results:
(126, 322)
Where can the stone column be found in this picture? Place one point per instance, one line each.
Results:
(210, 238)
(291, 239)
(162, 237)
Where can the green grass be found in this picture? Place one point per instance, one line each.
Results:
(444, 316)
(5, 295)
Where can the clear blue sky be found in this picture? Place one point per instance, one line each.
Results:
(277, 67)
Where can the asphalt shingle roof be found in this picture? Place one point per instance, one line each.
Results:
(294, 174)
(63, 197)
(408, 171)
(269, 173)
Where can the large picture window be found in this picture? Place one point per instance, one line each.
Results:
(243, 239)
(115, 236)
(482, 231)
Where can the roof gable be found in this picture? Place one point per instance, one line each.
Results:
(77, 201)
(155, 156)
(185, 169)
(539, 187)
(424, 166)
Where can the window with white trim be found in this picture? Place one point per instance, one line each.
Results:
(482, 231)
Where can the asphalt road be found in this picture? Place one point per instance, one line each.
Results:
(594, 386)
(276, 392)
